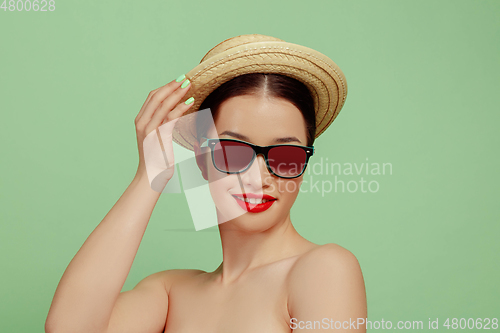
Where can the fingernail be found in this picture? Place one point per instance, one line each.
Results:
(180, 78)
(185, 84)
(189, 100)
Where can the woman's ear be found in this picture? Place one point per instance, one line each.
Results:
(201, 160)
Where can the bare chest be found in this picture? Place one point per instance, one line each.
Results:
(256, 304)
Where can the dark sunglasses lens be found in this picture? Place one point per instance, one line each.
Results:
(287, 161)
(232, 156)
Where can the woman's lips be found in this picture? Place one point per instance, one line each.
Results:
(254, 208)
(255, 196)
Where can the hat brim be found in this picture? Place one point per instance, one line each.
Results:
(320, 74)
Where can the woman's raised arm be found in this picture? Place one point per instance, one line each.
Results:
(90, 286)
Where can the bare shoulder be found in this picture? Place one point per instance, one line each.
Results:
(171, 276)
(328, 256)
(326, 281)
(145, 307)
(324, 264)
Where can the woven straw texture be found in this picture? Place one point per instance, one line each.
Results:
(264, 54)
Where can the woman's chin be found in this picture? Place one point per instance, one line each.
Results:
(246, 222)
(228, 209)
(228, 212)
(245, 216)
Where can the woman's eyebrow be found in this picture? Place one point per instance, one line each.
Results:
(287, 139)
(245, 138)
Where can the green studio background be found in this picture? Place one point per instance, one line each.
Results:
(423, 80)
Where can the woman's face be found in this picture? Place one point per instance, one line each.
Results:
(262, 121)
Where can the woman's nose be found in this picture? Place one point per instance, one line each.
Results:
(257, 173)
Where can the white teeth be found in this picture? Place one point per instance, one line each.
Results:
(253, 201)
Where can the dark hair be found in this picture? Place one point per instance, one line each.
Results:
(275, 85)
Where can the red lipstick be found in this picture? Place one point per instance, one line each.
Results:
(254, 207)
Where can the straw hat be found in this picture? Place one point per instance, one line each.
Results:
(256, 53)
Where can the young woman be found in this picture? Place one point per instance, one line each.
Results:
(271, 279)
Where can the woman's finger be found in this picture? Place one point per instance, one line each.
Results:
(141, 111)
(178, 111)
(171, 119)
(167, 105)
(156, 99)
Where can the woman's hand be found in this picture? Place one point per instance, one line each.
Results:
(154, 125)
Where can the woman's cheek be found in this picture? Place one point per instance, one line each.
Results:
(289, 188)
(220, 185)
(272, 188)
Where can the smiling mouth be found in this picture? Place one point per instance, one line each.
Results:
(253, 201)
(254, 205)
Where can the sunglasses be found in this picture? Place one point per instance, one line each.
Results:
(234, 156)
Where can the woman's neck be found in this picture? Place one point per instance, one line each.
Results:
(244, 250)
